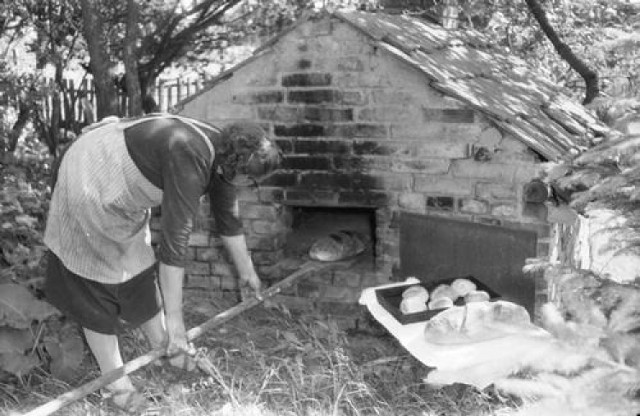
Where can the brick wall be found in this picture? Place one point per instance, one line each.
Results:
(359, 128)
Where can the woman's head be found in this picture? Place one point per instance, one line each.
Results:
(246, 151)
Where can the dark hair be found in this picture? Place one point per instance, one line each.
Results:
(246, 149)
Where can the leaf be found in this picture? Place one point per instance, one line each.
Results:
(26, 220)
(35, 256)
(18, 307)
(16, 255)
(14, 340)
(626, 316)
(66, 357)
(7, 275)
(17, 363)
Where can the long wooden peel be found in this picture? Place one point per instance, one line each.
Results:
(193, 333)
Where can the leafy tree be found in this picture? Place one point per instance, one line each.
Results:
(144, 40)
(55, 43)
(169, 32)
(599, 37)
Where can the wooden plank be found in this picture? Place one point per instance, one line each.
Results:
(564, 118)
(160, 101)
(554, 131)
(179, 90)
(533, 138)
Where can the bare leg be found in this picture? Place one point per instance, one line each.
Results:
(154, 330)
(106, 350)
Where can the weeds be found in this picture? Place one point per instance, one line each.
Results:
(268, 362)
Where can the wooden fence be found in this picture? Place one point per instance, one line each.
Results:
(78, 100)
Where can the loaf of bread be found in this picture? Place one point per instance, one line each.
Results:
(413, 304)
(416, 291)
(476, 322)
(463, 286)
(477, 296)
(440, 303)
(443, 291)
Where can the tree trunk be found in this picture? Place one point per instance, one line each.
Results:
(53, 138)
(131, 60)
(24, 114)
(590, 76)
(100, 64)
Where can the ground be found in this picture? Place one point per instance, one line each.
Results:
(271, 361)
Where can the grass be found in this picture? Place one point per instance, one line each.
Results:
(272, 362)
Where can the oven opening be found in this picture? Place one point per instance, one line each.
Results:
(309, 224)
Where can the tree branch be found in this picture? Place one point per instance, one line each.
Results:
(170, 46)
(590, 76)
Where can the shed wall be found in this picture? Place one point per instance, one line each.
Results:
(358, 127)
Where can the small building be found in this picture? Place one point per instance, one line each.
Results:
(427, 139)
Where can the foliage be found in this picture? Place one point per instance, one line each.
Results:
(48, 32)
(64, 350)
(598, 318)
(192, 34)
(252, 22)
(602, 33)
(18, 310)
(171, 34)
(27, 336)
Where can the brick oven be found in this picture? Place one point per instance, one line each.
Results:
(382, 118)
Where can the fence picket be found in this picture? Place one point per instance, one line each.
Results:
(78, 102)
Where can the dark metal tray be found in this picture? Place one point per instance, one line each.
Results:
(391, 297)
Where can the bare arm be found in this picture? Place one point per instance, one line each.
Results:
(171, 281)
(237, 248)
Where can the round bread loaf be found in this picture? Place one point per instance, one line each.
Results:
(477, 322)
(416, 291)
(463, 286)
(443, 291)
(477, 296)
(441, 303)
(413, 304)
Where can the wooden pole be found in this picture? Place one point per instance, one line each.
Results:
(193, 333)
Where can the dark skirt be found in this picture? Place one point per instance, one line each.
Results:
(100, 307)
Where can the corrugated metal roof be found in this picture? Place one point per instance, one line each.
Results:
(464, 65)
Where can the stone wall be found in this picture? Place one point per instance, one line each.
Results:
(359, 128)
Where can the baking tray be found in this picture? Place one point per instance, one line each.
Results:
(391, 297)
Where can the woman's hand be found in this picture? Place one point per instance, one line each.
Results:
(237, 247)
(250, 285)
(177, 336)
